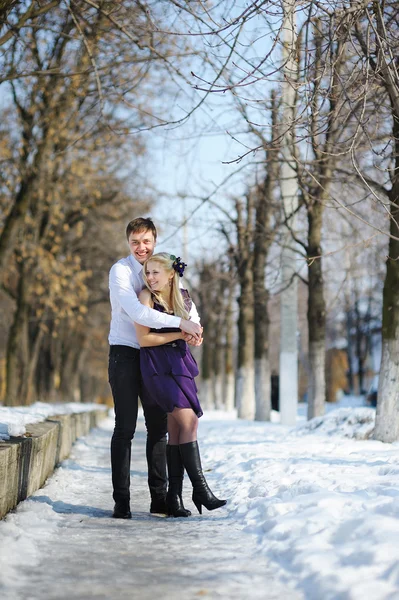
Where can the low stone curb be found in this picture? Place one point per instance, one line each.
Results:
(26, 463)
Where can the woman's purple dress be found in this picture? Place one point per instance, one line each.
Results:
(168, 372)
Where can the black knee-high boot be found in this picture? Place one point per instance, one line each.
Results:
(174, 500)
(202, 495)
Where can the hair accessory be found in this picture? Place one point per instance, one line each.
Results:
(178, 265)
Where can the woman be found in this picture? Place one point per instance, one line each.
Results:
(168, 370)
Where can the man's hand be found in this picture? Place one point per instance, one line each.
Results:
(191, 340)
(191, 328)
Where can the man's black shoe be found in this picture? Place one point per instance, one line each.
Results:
(158, 506)
(122, 511)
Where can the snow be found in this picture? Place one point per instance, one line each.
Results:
(13, 420)
(312, 513)
(346, 422)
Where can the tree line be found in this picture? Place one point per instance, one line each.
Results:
(77, 87)
(314, 92)
(320, 103)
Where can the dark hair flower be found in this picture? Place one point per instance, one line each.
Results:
(178, 265)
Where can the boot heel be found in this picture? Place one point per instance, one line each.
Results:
(198, 505)
(202, 495)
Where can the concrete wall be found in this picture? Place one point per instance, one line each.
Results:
(26, 463)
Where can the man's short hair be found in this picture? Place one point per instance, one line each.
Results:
(141, 224)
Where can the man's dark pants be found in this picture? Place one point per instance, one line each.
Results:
(124, 378)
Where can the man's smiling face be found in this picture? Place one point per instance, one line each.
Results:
(141, 245)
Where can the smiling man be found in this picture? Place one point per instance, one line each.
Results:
(125, 283)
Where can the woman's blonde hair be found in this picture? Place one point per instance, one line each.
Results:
(178, 308)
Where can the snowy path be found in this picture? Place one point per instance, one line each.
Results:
(62, 543)
(312, 515)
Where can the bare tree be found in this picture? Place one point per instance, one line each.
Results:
(214, 291)
(377, 33)
(91, 69)
(72, 103)
(289, 196)
(228, 371)
(244, 384)
(266, 226)
(323, 72)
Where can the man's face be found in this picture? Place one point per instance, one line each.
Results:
(141, 245)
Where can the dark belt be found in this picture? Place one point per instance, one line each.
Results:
(176, 344)
(122, 350)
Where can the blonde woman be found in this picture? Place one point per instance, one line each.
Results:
(168, 370)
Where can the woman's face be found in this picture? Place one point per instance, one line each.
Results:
(157, 276)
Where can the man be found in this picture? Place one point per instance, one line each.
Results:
(125, 283)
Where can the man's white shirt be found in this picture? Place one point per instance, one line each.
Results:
(125, 284)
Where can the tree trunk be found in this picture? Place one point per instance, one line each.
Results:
(361, 342)
(245, 377)
(73, 349)
(316, 314)
(90, 387)
(263, 391)
(69, 380)
(45, 374)
(383, 63)
(316, 198)
(228, 370)
(205, 388)
(217, 346)
(263, 240)
(387, 421)
(13, 220)
(28, 389)
(244, 385)
(349, 352)
(289, 192)
(288, 375)
(13, 361)
(262, 364)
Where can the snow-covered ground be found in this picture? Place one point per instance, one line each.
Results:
(13, 420)
(312, 514)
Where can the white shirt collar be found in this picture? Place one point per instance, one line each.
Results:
(137, 267)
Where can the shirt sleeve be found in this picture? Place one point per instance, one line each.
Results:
(194, 316)
(121, 288)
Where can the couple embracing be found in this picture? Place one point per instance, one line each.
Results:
(153, 321)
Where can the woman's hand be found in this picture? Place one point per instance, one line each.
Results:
(191, 328)
(191, 340)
